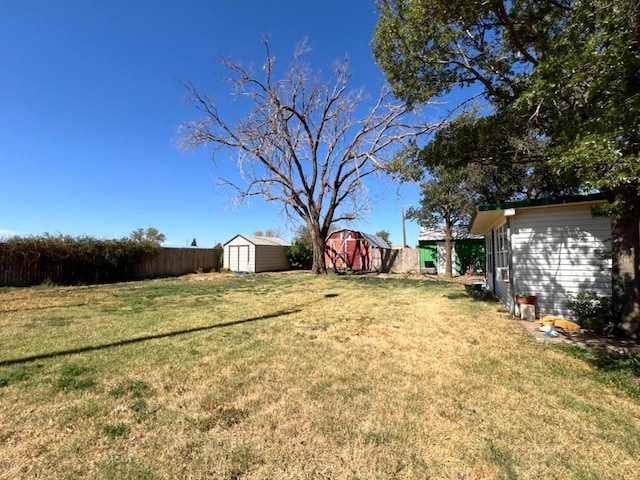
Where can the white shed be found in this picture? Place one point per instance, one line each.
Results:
(249, 253)
(549, 248)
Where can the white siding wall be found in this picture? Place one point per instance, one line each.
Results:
(556, 251)
(501, 279)
(502, 288)
(488, 268)
(226, 258)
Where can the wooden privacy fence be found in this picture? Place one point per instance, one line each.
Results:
(172, 262)
(169, 262)
(390, 260)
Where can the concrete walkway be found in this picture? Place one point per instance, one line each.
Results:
(583, 339)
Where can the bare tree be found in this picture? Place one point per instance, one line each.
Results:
(269, 232)
(273, 232)
(307, 144)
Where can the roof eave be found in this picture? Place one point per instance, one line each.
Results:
(482, 221)
(488, 215)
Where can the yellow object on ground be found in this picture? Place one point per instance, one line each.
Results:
(559, 322)
(547, 320)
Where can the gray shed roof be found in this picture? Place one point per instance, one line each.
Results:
(255, 240)
(375, 241)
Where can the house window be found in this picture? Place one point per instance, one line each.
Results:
(502, 246)
(489, 247)
(504, 274)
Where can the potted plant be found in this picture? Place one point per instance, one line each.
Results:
(525, 299)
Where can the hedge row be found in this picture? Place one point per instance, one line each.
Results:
(66, 260)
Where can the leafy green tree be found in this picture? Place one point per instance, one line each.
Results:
(472, 160)
(446, 201)
(593, 118)
(218, 246)
(304, 142)
(427, 48)
(384, 235)
(570, 68)
(154, 235)
(137, 235)
(194, 243)
(302, 233)
(151, 234)
(300, 253)
(507, 155)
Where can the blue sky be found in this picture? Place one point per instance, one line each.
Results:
(90, 101)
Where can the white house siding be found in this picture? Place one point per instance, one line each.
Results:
(498, 278)
(556, 251)
(502, 290)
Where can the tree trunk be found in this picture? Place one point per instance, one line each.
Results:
(319, 266)
(448, 228)
(625, 271)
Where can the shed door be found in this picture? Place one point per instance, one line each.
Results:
(239, 258)
(337, 253)
(352, 253)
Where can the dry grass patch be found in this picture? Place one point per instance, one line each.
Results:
(295, 376)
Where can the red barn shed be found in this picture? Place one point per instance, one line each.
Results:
(350, 249)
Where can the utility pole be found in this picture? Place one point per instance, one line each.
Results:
(404, 231)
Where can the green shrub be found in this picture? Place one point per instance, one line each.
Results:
(591, 311)
(469, 257)
(220, 259)
(300, 255)
(65, 260)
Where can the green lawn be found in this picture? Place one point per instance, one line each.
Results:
(276, 376)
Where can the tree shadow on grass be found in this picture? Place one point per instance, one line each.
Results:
(131, 341)
(604, 360)
(479, 293)
(456, 295)
(612, 369)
